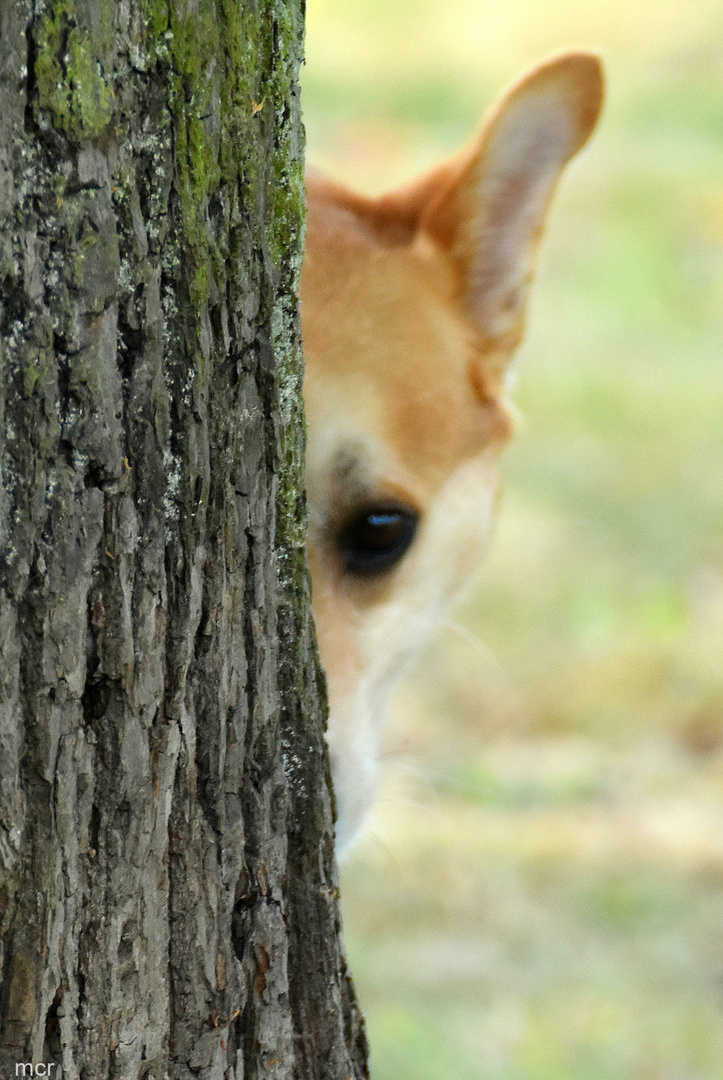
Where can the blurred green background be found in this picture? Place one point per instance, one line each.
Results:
(540, 896)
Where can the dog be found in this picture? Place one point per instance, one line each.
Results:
(412, 306)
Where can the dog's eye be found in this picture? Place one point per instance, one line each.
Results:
(376, 539)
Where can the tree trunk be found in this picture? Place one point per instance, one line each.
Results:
(168, 891)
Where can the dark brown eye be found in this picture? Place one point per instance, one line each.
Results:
(376, 539)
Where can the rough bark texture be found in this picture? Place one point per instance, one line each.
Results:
(168, 901)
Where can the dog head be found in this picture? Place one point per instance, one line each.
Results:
(412, 307)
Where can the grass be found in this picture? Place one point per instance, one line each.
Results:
(547, 901)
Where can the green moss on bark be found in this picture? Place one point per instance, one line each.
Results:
(71, 84)
(220, 123)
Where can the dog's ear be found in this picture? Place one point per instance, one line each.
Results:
(486, 208)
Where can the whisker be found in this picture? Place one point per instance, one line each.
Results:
(422, 778)
(472, 639)
(414, 787)
(374, 839)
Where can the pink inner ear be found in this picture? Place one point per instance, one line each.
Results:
(512, 185)
(487, 207)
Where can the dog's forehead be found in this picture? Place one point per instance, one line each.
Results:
(386, 349)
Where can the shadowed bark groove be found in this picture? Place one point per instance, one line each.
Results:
(168, 893)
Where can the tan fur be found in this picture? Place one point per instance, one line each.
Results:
(412, 305)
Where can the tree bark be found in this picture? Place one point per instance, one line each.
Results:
(168, 890)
